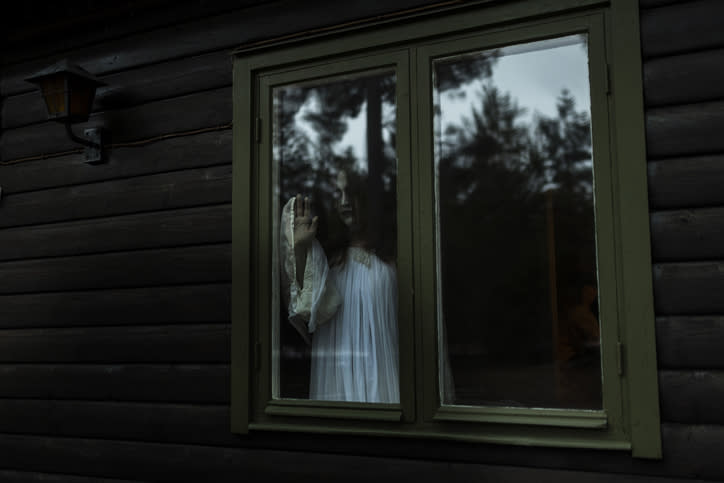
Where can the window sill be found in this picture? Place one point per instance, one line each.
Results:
(574, 438)
(334, 410)
(564, 418)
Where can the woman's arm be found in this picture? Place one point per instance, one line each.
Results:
(305, 229)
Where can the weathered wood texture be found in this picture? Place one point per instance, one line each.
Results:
(687, 130)
(176, 383)
(191, 38)
(130, 306)
(161, 191)
(10, 476)
(26, 42)
(170, 228)
(192, 265)
(694, 234)
(682, 27)
(686, 78)
(686, 182)
(683, 93)
(689, 288)
(186, 424)
(180, 343)
(167, 423)
(694, 450)
(657, 3)
(172, 463)
(178, 114)
(690, 342)
(134, 87)
(187, 152)
(692, 397)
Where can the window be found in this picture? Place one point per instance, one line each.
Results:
(441, 230)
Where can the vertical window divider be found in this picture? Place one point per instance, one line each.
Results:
(425, 216)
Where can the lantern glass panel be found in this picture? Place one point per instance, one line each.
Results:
(54, 89)
(81, 99)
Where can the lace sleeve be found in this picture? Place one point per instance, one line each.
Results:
(317, 300)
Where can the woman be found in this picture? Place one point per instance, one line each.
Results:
(346, 293)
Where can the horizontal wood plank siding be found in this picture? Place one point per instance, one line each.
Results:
(166, 266)
(115, 279)
(692, 397)
(139, 382)
(172, 463)
(168, 116)
(179, 153)
(683, 46)
(155, 422)
(161, 191)
(657, 3)
(686, 78)
(691, 129)
(689, 288)
(130, 306)
(693, 234)
(134, 87)
(693, 342)
(192, 343)
(189, 226)
(10, 476)
(43, 41)
(682, 27)
(687, 182)
(259, 22)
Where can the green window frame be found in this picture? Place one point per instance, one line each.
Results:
(629, 419)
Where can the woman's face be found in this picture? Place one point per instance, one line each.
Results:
(345, 203)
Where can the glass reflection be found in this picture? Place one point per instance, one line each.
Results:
(335, 168)
(516, 241)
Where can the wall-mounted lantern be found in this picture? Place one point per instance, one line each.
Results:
(69, 92)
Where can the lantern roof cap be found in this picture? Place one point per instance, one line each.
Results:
(64, 66)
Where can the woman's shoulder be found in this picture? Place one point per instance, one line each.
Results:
(369, 260)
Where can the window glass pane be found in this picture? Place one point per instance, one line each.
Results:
(336, 337)
(517, 307)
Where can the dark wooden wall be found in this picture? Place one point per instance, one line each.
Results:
(115, 279)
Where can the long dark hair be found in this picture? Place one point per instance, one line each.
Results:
(376, 214)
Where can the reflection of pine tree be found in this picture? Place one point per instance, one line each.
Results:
(338, 101)
(451, 75)
(492, 170)
(564, 143)
(291, 143)
(491, 228)
(307, 164)
(492, 141)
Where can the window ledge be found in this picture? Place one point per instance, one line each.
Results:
(564, 418)
(334, 410)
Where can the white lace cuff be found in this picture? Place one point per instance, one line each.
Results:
(317, 300)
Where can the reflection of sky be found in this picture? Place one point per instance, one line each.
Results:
(534, 74)
(355, 135)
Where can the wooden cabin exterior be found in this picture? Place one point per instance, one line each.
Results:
(115, 279)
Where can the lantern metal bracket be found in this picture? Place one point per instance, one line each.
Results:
(69, 91)
(93, 142)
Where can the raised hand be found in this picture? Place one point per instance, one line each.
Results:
(305, 227)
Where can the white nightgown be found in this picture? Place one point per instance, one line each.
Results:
(350, 313)
(355, 355)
